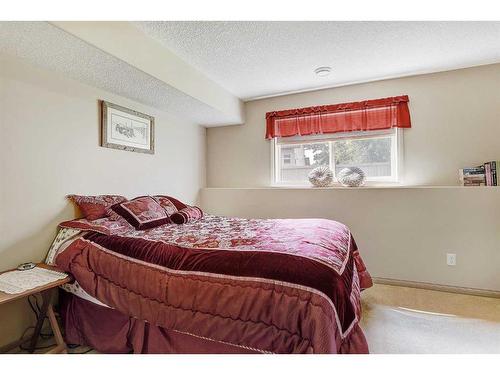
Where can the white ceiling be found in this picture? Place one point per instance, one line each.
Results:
(44, 45)
(255, 59)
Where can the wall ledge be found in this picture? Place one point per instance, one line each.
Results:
(310, 188)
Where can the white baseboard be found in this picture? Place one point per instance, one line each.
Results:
(438, 287)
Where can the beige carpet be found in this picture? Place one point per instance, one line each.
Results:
(409, 320)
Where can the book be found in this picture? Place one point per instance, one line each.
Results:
(473, 182)
(482, 175)
(494, 172)
(491, 172)
(472, 170)
(487, 172)
(473, 176)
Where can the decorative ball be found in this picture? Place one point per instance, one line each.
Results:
(352, 176)
(321, 176)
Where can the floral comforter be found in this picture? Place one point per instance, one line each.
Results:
(281, 286)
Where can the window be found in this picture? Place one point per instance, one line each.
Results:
(363, 134)
(375, 152)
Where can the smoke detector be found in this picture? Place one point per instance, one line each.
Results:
(323, 71)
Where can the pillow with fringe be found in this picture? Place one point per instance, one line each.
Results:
(94, 207)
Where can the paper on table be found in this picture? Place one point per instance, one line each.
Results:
(15, 282)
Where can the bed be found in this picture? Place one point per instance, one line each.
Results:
(212, 285)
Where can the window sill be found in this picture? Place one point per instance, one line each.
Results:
(365, 187)
(336, 185)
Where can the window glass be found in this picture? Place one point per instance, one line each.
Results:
(374, 152)
(373, 156)
(297, 160)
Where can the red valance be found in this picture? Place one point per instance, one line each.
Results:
(374, 114)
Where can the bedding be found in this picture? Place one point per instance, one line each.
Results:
(186, 215)
(142, 212)
(95, 207)
(278, 286)
(169, 204)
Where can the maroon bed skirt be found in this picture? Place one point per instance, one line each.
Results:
(109, 331)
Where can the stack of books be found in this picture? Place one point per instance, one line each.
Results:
(473, 176)
(482, 175)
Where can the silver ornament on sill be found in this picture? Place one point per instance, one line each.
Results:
(321, 176)
(352, 177)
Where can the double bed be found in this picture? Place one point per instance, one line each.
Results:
(212, 285)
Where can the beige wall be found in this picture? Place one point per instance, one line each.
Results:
(403, 233)
(455, 123)
(50, 147)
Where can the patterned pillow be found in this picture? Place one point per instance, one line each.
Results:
(105, 225)
(170, 205)
(165, 200)
(112, 215)
(94, 207)
(142, 212)
(186, 215)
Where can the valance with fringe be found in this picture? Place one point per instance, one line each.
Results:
(367, 115)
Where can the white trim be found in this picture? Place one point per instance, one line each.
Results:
(331, 158)
(438, 287)
(336, 136)
(56, 248)
(400, 155)
(75, 289)
(274, 159)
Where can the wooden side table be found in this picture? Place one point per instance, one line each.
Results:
(47, 310)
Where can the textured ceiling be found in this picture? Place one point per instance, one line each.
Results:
(47, 46)
(254, 59)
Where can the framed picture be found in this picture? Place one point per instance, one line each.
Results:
(126, 129)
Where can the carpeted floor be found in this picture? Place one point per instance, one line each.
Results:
(410, 320)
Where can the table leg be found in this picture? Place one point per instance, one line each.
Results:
(61, 345)
(41, 317)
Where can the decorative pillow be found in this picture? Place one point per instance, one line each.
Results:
(104, 225)
(186, 215)
(168, 204)
(112, 215)
(142, 212)
(94, 207)
(165, 201)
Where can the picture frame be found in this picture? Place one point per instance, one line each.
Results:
(125, 129)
